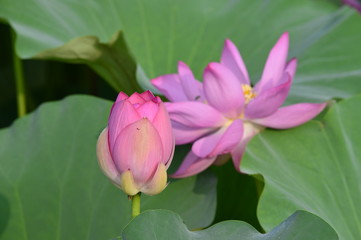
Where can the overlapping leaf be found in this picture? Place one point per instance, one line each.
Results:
(315, 167)
(164, 225)
(52, 188)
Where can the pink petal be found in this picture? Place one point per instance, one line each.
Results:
(123, 114)
(163, 125)
(157, 183)
(237, 154)
(221, 142)
(275, 64)
(148, 109)
(268, 101)
(192, 165)
(147, 95)
(170, 86)
(105, 159)
(222, 90)
(291, 116)
(249, 130)
(191, 120)
(191, 87)
(195, 114)
(232, 59)
(184, 134)
(136, 98)
(139, 149)
(291, 68)
(121, 97)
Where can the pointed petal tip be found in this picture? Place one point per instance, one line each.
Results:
(292, 115)
(121, 96)
(215, 69)
(212, 66)
(192, 165)
(183, 69)
(127, 183)
(147, 95)
(292, 63)
(293, 60)
(291, 67)
(285, 35)
(156, 81)
(170, 86)
(283, 40)
(228, 42)
(232, 59)
(275, 64)
(238, 153)
(230, 46)
(158, 182)
(181, 63)
(157, 99)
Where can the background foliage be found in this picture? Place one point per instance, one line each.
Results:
(50, 184)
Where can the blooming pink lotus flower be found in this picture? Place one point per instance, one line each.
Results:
(224, 112)
(136, 148)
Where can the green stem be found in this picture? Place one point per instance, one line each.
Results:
(135, 205)
(19, 79)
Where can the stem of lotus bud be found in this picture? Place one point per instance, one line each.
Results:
(19, 80)
(135, 205)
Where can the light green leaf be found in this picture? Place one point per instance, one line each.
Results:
(165, 225)
(43, 25)
(325, 39)
(52, 188)
(315, 167)
(159, 33)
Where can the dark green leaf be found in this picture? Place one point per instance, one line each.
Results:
(237, 195)
(315, 167)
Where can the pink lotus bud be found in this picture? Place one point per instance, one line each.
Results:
(136, 148)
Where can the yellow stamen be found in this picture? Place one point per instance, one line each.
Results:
(248, 92)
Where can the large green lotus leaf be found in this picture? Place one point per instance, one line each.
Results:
(165, 225)
(315, 167)
(161, 32)
(324, 38)
(52, 188)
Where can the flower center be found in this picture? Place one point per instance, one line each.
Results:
(248, 92)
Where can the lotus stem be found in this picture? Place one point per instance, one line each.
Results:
(19, 80)
(135, 205)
